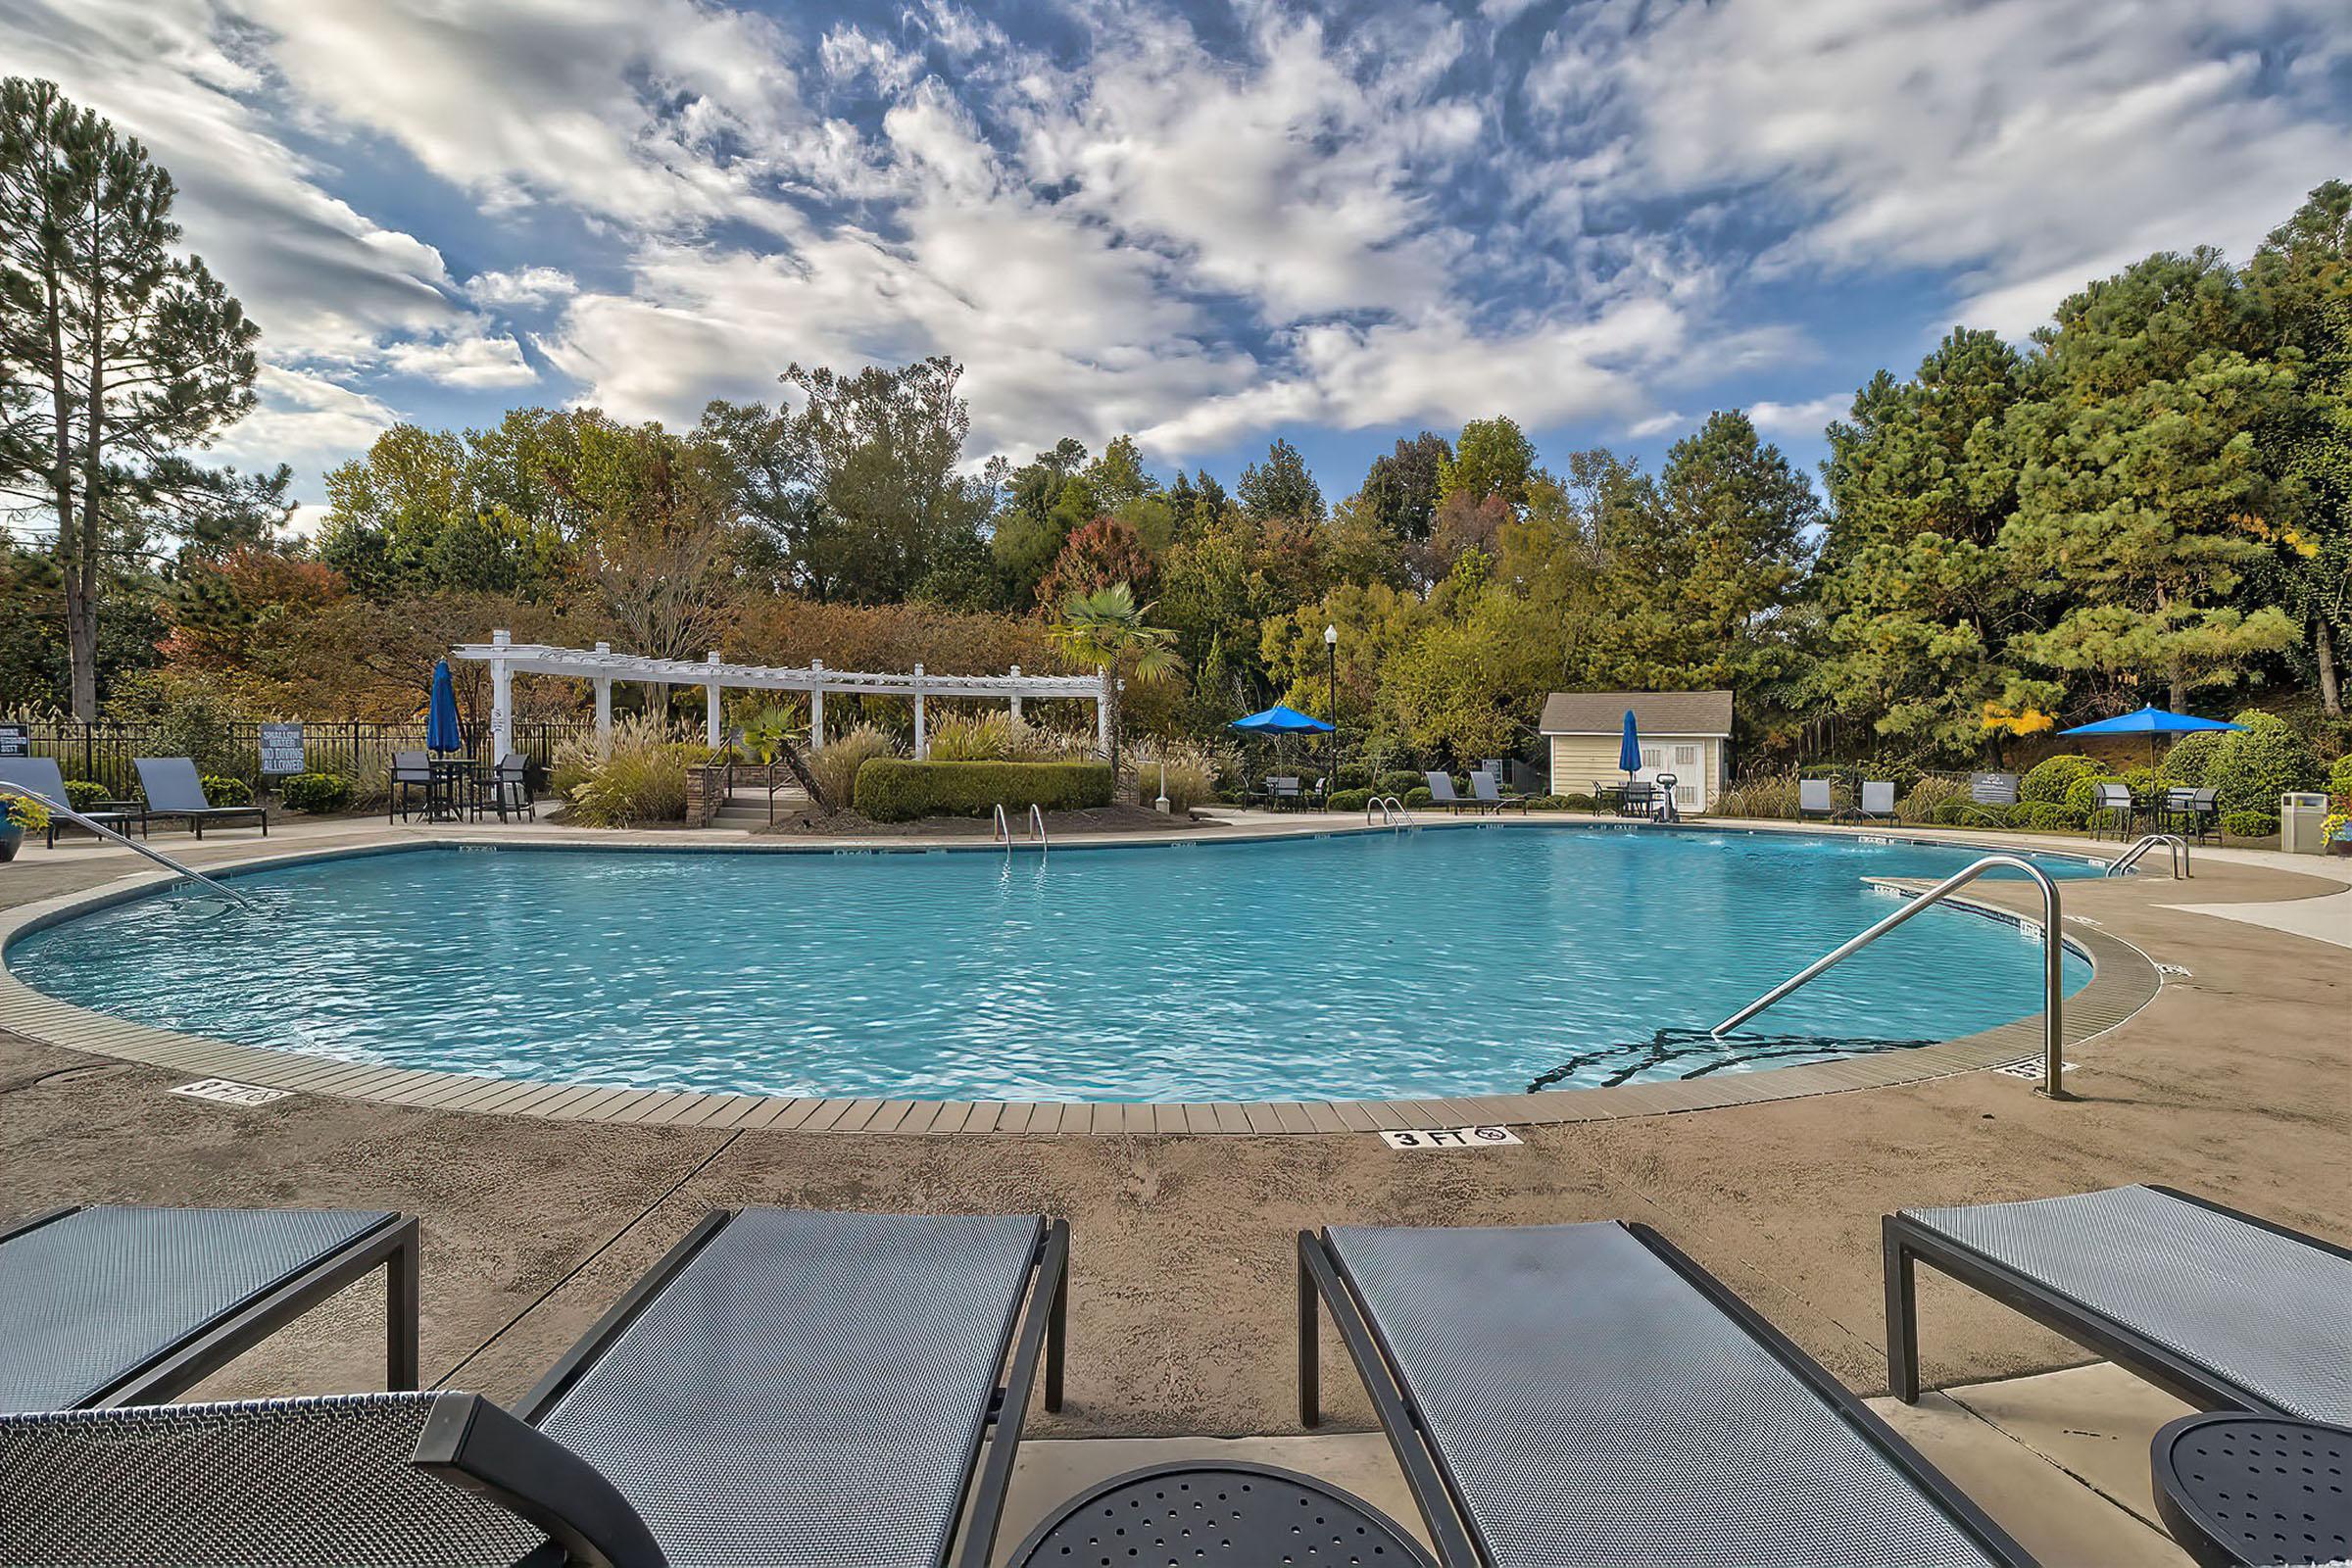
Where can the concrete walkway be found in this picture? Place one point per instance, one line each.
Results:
(2236, 1082)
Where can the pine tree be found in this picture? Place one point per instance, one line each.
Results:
(1281, 488)
(120, 354)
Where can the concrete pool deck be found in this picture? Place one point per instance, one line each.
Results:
(2236, 1081)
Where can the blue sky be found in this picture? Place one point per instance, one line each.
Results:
(1204, 223)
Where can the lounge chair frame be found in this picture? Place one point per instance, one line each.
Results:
(1907, 1243)
(255, 815)
(1039, 1329)
(175, 1368)
(1323, 1277)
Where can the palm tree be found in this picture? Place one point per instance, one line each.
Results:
(1106, 628)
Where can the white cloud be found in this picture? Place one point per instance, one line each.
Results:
(306, 420)
(2028, 144)
(1806, 420)
(472, 358)
(526, 285)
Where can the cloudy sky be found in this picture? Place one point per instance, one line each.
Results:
(1204, 222)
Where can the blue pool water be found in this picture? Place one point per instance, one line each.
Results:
(1470, 960)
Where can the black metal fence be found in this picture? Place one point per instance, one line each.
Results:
(356, 749)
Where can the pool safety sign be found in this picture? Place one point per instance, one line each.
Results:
(14, 741)
(1451, 1138)
(281, 748)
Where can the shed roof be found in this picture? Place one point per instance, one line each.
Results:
(1654, 713)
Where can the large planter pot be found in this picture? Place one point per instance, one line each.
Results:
(10, 837)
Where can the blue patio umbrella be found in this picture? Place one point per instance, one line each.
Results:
(2152, 721)
(1280, 720)
(1629, 752)
(441, 718)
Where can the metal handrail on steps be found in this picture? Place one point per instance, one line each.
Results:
(1392, 814)
(153, 853)
(2172, 841)
(2053, 1032)
(1037, 829)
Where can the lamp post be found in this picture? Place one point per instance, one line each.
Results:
(1331, 675)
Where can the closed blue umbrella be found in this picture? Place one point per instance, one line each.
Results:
(441, 720)
(1629, 754)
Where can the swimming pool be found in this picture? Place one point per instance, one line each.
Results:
(1469, 960)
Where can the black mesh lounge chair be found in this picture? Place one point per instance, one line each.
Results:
(786, 1389)
(173, 788)
(1565, 1395)
(1443, 793)
(1490, 794)
(105, 1306)
(2222, 1309)
(39, 775)
(1878, 802)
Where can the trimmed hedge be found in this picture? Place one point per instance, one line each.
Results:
(221, 789)
(316, 793)
(1350, 800)
(2250, 825)
(1418, 797)
(1397, 782)
(896, 789)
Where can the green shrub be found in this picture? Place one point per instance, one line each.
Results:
(2190, 758)
(1418, 796)
(1925, 798)
(1345, 799)
(2339, 778)
(83, 795)
(891, 789)
(226, 790)
(316, 793)
(2249, 824)
(639, 778)
(2050, 816)
(1573, 800)
(2047, 781)
(2251, 770)
(23, 814)
(836, 762)
(1399, 783)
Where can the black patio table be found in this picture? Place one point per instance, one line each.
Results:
(2235, 1488)
(449, 785)
(1247, 1515)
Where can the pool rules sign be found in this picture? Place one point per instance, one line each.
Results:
(1445, 1138)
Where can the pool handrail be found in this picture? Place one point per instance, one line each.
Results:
(2053, 1062)
(105, 832)
(1392, 814)
(2175, 845)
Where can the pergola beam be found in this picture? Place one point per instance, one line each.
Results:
(602, 666)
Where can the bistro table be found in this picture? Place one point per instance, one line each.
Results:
(1242, 1515)
(448, 788)
(2242, 1490)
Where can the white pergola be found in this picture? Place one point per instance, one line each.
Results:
(601, 666)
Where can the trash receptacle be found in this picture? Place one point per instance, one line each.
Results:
(2303, 823)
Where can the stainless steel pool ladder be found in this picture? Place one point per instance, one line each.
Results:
(2053, 949)
(105, 832)
(2131, 856)
(1392, 813)
(1037, 829)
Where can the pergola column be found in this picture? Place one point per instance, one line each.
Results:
(1016, 696)
(501, 702)
(817, 705)
(922, 742)
(604, 703)
(711, 704)
(1103, 719)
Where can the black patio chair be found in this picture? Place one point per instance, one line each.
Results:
(2112, 806)
(1569, 1394)
(1639, 800)
(112, 1305)
(39, 776)
(412, 775)
(2196, 813)
(785, 1388)
(173, 788)
(2222, 1309)
(506, 788)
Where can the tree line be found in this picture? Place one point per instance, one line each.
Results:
(2146, 502)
